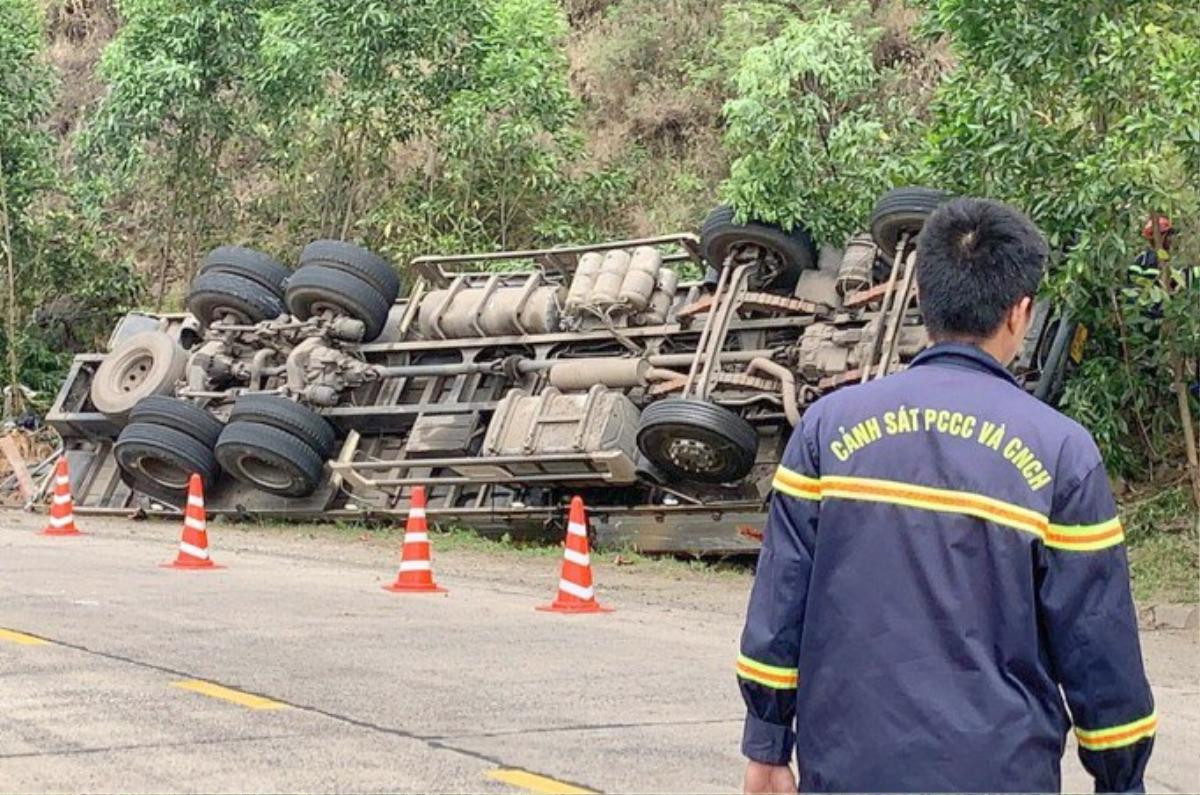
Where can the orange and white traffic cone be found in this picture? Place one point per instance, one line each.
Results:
(193, 546)
(575, 591)
(416, 570)
(62, 508)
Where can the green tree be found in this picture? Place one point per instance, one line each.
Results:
(1086, 115)
(174, 74)
(343, 83)
(26, 95)
(505, 168)
(814, 134)
(59, 293)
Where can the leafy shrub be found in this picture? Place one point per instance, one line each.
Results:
(1085, 117)
(61, 294)
(814, 139)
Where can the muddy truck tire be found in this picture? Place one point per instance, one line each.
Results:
(270, 459)
(180, 415)
(158, 461)
(287, 415)
(356, 260)
(782, 255)
(903, 211)
(217, 296)
(149, 363)
(248, 264)
(1054, 360)
(697, 441)
(315, 289)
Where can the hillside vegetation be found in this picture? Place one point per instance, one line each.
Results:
(134, 135)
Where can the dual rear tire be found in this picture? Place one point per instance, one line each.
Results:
(338, 278)
(270, 443)
(166, 441)
(334, 278)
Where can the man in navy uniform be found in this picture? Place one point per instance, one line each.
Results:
(943, 563)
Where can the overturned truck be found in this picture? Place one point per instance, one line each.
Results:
(659, 378)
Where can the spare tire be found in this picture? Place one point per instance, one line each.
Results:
(315, 289)
(903, 211)
(248, 264)
(782, 256)
(269, 459)
(179, 414)
(148, 363)
(287, 415)
(698, 441)
(356, 260)
(158, 461)
(216, 296)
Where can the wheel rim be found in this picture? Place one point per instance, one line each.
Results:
(770, 262)
(327, 308)
(695, 452)
(135, 372)
(263, 473)
(162, 471)
(693, 455)
(230, 314)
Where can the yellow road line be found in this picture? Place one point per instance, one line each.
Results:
(532, 782)
(21, 638)
(247, 700)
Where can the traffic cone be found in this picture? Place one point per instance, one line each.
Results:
(193, 546)
(416, 571)
(62, 508)
(575, 591)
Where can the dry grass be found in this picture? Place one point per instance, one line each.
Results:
(1162, 530)
(77, 32)
(916, 65)
(643, 69)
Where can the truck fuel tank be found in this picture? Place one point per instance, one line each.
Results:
(484, 312)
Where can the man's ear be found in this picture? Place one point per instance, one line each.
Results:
(1021, 315)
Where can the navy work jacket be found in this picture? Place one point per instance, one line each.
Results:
(942, 564)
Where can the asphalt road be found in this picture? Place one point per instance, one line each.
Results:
(292, 670)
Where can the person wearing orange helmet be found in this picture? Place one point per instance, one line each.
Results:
(1159, 250)
(1159, 245)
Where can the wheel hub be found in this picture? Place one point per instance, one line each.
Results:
(263, 473)
(693, 455)
(163, 472)
(135, 373)
(329, 310)
(228, 314)
(770, 264)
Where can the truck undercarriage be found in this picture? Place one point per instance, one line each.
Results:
(659, 378)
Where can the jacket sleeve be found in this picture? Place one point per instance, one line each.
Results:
(767, 666)
(1089, 622)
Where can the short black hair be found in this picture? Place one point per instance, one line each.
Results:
(976, 258)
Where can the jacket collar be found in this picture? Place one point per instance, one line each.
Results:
(959, 354)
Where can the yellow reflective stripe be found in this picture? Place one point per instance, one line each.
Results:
(796, 485)
(1085, 537)
(769, 675)
(931, 499)
(1074, 538)
(1118, 736)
